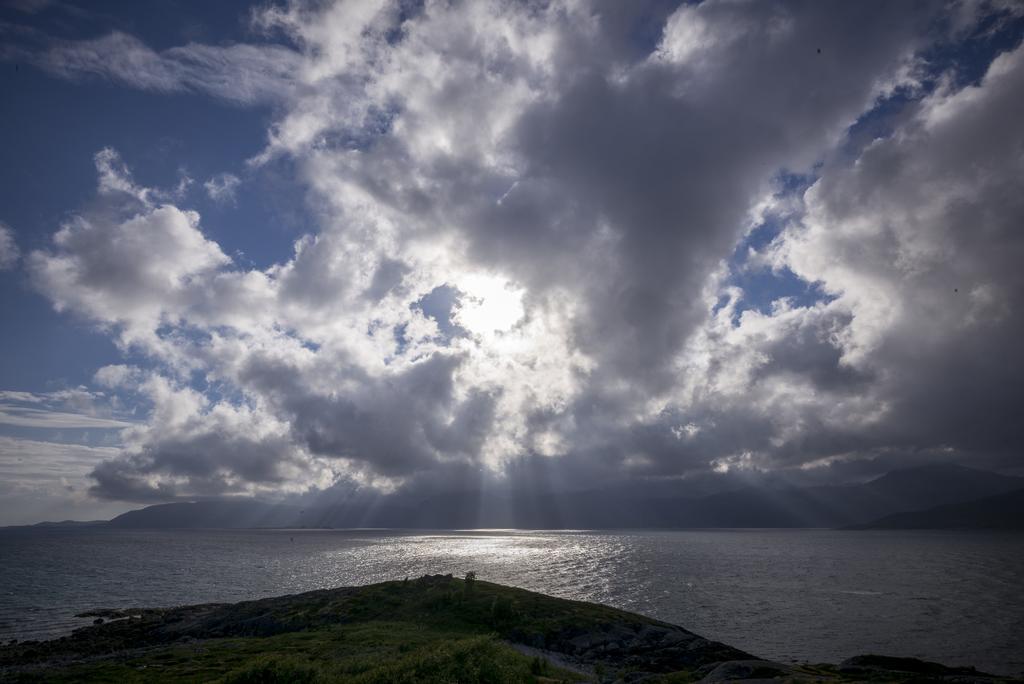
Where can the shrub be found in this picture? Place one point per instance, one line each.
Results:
(502, 610)
(478, 660)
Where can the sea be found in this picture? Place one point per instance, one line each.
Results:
(787, 595)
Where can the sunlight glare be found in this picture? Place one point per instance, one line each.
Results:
(491, 304)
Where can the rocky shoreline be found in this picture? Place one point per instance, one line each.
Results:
(556, 640)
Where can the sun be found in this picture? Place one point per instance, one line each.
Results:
(490, 304)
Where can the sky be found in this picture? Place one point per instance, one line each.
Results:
(291, 248)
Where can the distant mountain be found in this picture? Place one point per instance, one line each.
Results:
(934, 485)
(752, 506)
(211, 514)
(69, 523)
(836, 506)
(999, 512)
(56, 525)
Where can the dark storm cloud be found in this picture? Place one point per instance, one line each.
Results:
(186, 459)
(393, 427)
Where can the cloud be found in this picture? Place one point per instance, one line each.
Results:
(65, 409)
(42, 480)
(130, 262)
(195, 445)
(30, 6)
(240, 73)
(919, 241)
(28, 464)
(521, 266)
(222, 187)
(915, 241)
(9, 252)
(50, 442)
(29, 417)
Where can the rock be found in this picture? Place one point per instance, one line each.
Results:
(637, 677)
(109, 613)
(874, 665)
(736, 670)
(98, 621)
(585, 642)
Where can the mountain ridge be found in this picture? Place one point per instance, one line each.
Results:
(911, 489)
(999, 512)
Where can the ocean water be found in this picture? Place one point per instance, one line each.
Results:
(808, 595)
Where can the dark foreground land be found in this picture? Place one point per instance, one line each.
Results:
(432, 629)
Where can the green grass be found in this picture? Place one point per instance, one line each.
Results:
(369, 653)
(393, 632)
